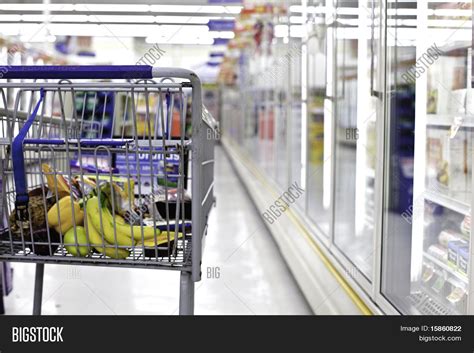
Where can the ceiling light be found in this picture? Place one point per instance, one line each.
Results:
(222, 34)
(112, 7)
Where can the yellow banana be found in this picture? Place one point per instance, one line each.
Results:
(94, 211)
(56, 183)
(100, 244)
(60, 215)
(161, 239)
(134, 231)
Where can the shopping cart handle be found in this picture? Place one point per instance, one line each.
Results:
(77, 72)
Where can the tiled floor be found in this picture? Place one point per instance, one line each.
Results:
(253, 278)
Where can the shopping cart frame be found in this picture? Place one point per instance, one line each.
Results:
(188, 274)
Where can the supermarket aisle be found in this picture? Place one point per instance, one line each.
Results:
(249, 274)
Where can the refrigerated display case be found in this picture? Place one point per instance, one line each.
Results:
(382, 144)
(427, 210)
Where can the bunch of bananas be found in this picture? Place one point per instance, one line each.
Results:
(88, 222)
(107, 229)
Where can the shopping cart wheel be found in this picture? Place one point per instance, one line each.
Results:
(38, 296)
(186, 294)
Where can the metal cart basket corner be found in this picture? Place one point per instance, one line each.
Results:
(107, 166)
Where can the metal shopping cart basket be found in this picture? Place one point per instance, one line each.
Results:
(105, 165)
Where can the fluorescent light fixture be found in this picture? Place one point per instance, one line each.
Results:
(180, 40)
(112, 7)
(124, 19)
(296, 31)
(296, 8)
(172, 34)
(36, 7)
(222, 34)
(182, 19)
(10, 18)
(316, 9)
(231, 9)
(197, 9)
(296, 19)
(38, 38)
(202, 20)
(281, 31)
(347, 11)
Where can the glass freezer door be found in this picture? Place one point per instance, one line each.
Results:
(428, 160)
(319, 113)
(357, 40)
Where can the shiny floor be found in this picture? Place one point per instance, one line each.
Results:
(243, 272)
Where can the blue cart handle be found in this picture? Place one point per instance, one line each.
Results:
(77, 72)
(18, 159)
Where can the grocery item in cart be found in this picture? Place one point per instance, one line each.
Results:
(77, 238)
(21, 230)
(64, 214)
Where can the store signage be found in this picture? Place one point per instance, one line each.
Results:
(221, 25)
(221, 41)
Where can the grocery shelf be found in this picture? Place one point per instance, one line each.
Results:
(446, 267)
(448, 202)
(426, 304)
(447, 120)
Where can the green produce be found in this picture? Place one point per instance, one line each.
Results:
(83, 247)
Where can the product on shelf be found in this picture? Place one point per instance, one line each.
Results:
(427, 273)
(460, 164)
(432, 101)
(449, 165)
(457, 101)
(465, 226)
(438, 252)
(436, 147)
(438, 284)
(456, 295)
(453, 251)
(447, 236)
(463, 259)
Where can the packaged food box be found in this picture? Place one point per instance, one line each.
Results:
(439, 252)
(463, 259)
(438, 284)
(459, 162)
(465, 226)
(453, 249)
(456, 295)
(447, 236)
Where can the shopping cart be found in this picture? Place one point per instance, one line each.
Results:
(108, 166)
